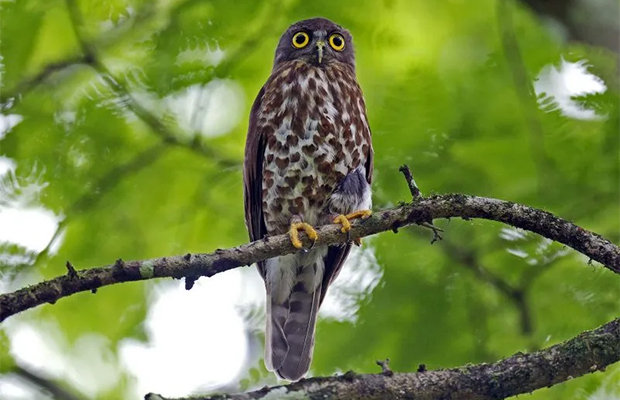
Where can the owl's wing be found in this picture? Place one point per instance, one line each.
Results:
(370, 161)
(253, 177)
(336, 255)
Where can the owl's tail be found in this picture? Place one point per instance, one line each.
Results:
(289, 338)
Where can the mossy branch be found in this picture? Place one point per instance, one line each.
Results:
(522, 373)
(421, 211)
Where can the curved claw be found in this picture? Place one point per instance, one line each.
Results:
(294, 234)
(345, 220)
(363, 214)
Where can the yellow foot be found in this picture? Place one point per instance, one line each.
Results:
(344, 220)
(294, 233)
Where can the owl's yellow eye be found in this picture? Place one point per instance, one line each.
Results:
(300, 40)
(336, 41)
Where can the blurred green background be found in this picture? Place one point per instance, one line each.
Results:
(122, 133)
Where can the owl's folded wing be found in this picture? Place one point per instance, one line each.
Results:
(252, 177)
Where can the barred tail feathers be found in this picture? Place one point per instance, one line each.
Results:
(299, 332)
(293, 299)
(276, 346)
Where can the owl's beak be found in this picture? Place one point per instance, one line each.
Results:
(320, 45)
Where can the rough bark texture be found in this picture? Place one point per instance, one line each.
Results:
(193, 266)
(522, 373)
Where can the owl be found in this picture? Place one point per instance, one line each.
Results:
(308, 162)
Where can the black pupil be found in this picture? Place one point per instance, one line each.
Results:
(337, 41)
(300, 39)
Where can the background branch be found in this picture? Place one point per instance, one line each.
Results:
(524, 90)
(111, 37)
(585, 21)
(522, 373)
(57, 391)
(91, 197)
(515, 294)
(43, 75)
(169, 134)
(420, 212)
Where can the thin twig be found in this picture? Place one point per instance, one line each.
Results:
(415, 195)
(30, 82)
(385, 367)
(413, 187)
(436, 235)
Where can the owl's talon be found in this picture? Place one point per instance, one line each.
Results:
(345, 220)
(294, 234)
(363, 214)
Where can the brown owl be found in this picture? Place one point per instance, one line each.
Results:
(308, 161)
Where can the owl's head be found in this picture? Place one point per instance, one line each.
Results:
(318, 41)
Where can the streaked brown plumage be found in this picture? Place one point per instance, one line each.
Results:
(308, 158)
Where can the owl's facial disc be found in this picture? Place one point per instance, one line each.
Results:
(316, 41)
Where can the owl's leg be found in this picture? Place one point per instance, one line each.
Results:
(351, 200)
(298, 225)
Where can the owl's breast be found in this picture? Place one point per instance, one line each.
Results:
(316, 132)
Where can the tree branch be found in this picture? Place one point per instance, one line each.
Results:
(43, 75)
(420, 212)
(522, 373)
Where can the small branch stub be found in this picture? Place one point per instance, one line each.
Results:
(71, 272)
(189, 282)
(385, 367)
(415, 195)
(436, 235)
(413, 187)
(119, 264)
